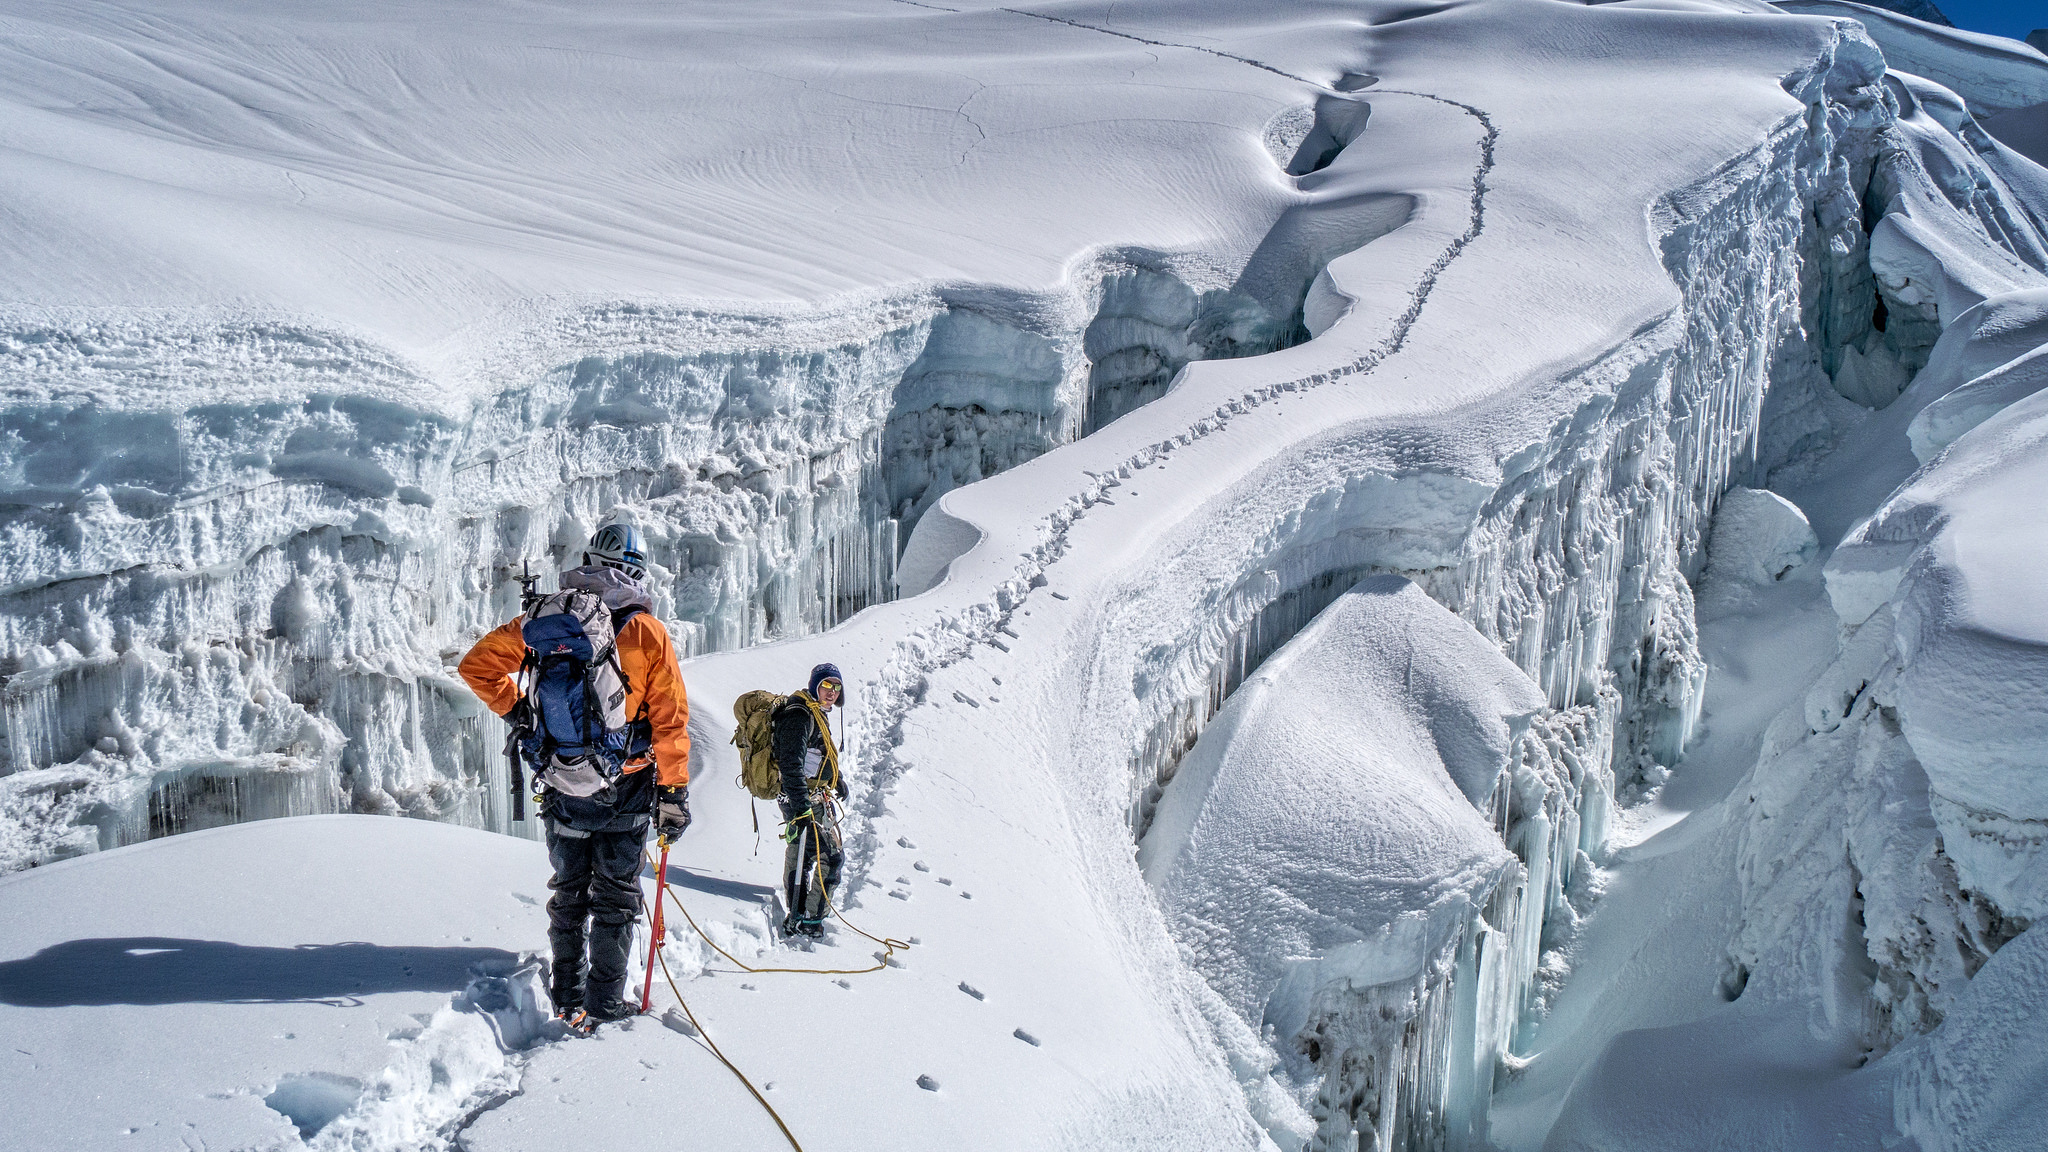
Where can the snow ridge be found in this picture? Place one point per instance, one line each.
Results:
(917, 656)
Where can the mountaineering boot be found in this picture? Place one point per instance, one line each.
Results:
(584, 1021)
(810, 927)
(609, 1011)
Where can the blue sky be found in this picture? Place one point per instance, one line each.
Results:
(2014, 18)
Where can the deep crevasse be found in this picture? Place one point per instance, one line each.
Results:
(252, 608)
(1579, 569)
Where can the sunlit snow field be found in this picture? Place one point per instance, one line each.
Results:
(1432, 577)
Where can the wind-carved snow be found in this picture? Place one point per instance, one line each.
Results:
(1546, 474)
(1338, 856)
(256, 614)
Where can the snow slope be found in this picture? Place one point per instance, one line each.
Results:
(219, 987)
(1570, 274)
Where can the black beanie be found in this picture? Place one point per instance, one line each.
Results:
(824, 672)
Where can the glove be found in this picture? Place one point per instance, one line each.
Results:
(671, 810)
(839, 788)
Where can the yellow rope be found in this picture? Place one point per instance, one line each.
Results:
(889, 943)
(818, 864)
(711, 1044)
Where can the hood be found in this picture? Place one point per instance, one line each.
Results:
(618, 589)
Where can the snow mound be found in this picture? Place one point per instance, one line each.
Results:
(1330, 858)
(1332, 809)
(1758, 537)
(1992, 356)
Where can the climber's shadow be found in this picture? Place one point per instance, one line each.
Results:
(164, 970)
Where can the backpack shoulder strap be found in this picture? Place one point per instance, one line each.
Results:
(824, 731)
(619, 618)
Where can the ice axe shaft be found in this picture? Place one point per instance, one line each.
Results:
(654, 946)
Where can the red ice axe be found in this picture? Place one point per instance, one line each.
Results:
(654, 946)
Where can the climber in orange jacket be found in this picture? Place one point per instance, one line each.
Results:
(595, 828)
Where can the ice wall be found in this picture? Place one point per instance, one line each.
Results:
(1579, 564)
(1359, 856)
(1894, 835)
(1151, 325)
(227, 601)
(298, 569)
(1888, 847)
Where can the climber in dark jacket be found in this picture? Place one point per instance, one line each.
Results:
(811, 782)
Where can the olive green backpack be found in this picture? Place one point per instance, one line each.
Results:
(753, 734)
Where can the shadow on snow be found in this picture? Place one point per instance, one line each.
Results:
(164, 970)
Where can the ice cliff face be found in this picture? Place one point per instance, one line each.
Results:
(248, 607)
(240, 598)
(1920, 745)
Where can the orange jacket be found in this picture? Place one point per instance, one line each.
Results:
(647, 657)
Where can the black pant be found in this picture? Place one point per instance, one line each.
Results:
(597, 879)
(815, 850)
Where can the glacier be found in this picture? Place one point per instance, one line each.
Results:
(1345, 347)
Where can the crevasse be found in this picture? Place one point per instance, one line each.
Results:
(1577, 564)
(252, 609)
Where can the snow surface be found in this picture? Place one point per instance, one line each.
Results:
(1324, 855)
(321, 325)
(215, 987)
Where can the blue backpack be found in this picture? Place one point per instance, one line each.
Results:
(576, 694)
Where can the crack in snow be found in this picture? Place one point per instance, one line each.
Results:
(908, 672)
(1217, 52)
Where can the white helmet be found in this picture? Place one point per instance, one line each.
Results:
(618, 546)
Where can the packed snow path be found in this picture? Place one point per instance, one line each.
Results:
(1570, 273)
